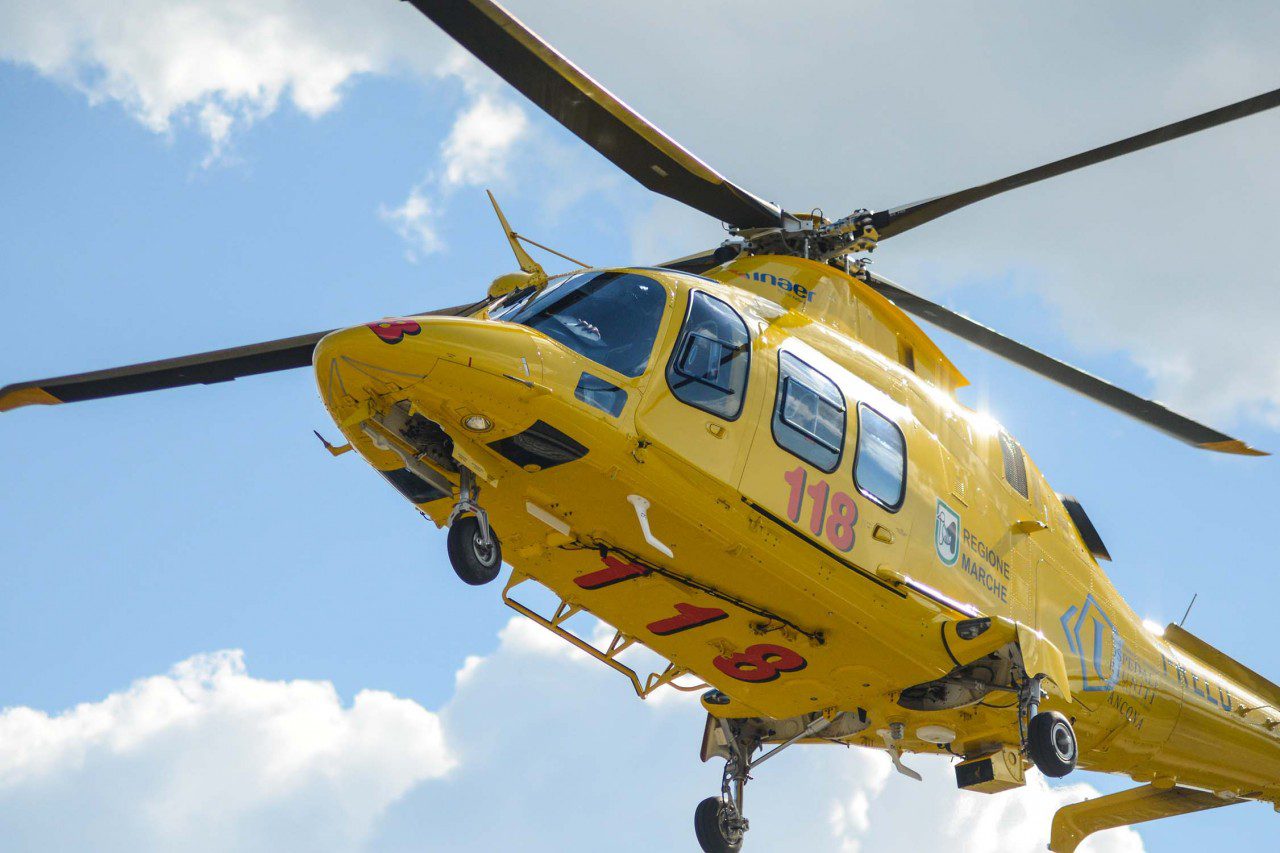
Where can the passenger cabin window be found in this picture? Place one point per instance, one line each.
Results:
(609, 317)
(1015, 466)
(709, 366)
(880, 465)
(808, 416)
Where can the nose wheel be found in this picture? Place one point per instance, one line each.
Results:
(474, 550)
(718, 825)
(475, 556)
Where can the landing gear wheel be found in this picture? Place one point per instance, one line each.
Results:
(474, 562)
(1051, 744)
(716, 824)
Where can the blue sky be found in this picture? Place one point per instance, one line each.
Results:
(139, 532)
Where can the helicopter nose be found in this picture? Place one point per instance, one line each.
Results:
(371, 358)
(396, 354)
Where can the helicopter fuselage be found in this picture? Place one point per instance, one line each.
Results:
(802, 518)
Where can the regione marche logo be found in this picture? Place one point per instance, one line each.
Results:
(946, 534)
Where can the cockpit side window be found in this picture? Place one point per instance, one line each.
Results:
(611, 318)
(712, 358)
(809, 415)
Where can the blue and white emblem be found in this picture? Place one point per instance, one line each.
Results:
(946, 534)
(1094, 640)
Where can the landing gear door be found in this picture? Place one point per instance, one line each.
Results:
(701, 409)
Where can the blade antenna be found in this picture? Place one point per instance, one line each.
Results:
(523, 258)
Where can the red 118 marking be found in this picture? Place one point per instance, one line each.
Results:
(756, 664)
(838, 523)
(690, 617)
(760, 663)
(615, 572)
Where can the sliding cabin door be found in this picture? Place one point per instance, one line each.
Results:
(828, 461)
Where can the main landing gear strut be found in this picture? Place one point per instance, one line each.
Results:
(1047, 737)
(719, 821)
(474, 550)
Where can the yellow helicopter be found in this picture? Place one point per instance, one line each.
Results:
(751, 461)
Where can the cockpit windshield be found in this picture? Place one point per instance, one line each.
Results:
(609, 317)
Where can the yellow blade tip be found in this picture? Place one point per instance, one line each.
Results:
(14, 398)
(1235, 446)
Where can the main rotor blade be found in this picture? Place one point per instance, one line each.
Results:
(896, 220)
(205, 368)
(1148, 411)
(594, 113)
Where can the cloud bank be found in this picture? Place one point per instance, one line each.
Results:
(207, 757)
(214, 64)
(537, 742)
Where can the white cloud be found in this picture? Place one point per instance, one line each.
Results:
(208, 757)
(217, 64)
(479, 145)
(535, 739)
(476, 152)
(851, 811)
(417, 220)
(524, 638)
(882, 811)
(1019, 822)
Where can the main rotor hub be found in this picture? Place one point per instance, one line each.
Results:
(814, 237)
